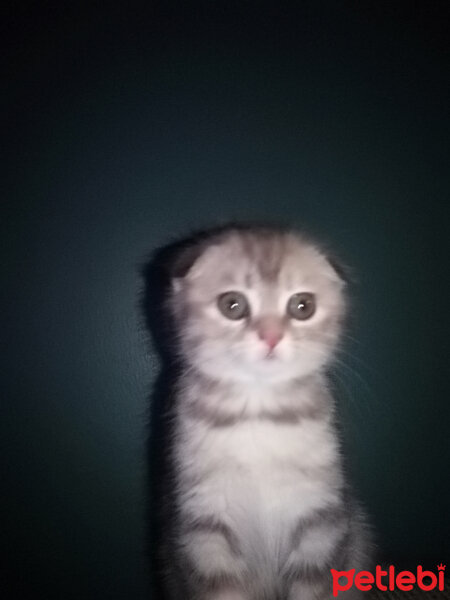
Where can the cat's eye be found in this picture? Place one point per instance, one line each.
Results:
(233, 305)
(301, 306)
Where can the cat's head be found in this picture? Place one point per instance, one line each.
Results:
(256, 304)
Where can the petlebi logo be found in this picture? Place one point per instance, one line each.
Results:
(388, 580)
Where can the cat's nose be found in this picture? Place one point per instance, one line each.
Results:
(271, 339)
(270, 331)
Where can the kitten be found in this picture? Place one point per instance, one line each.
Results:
(257, 505)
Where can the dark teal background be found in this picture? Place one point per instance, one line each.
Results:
(126, 127)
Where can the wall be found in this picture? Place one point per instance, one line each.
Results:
(128, 128)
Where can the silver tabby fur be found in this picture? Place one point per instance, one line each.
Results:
(260, 509)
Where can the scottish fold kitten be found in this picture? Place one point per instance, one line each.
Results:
(257, 506)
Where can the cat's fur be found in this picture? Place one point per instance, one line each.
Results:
(257, 504)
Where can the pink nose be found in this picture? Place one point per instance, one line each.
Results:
(270, 336)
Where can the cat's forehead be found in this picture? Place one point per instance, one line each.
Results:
(268, 257)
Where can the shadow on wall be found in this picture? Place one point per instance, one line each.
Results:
(157, 280)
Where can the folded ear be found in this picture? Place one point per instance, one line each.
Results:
(184, 258)
(342, 271)
(170, 264)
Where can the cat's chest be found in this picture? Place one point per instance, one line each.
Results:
(258, 468)
(259, 445)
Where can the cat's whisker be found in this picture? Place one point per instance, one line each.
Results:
(348, 392)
